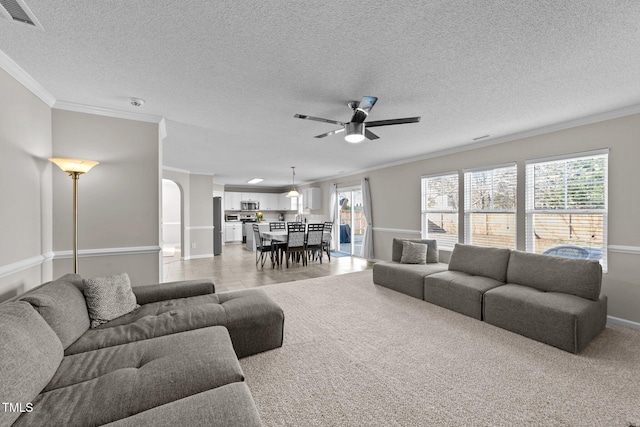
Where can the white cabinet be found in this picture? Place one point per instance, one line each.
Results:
(287, 204)
(250, 197)
(232, 201)
(233, 232)
(269, 202)
(312, 198)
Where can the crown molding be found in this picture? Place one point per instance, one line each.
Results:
(24, 78)
(100, 111)
(172, 169)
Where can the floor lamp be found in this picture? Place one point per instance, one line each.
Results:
(75, 168)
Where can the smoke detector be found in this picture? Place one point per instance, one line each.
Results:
(137, 102)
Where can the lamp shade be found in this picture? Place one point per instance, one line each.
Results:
(74, 165)
(293, 193)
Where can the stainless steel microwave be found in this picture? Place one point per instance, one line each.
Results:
(232, 217)
(250, 205)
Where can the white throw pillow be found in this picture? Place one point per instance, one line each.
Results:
(109, 298)
(413, 253)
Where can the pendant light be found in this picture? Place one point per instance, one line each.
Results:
(293, 192)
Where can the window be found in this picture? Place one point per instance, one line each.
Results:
(440, 209)
(490, 207)
(567, 206)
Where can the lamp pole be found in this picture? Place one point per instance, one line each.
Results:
(75, 168)
(74, 177)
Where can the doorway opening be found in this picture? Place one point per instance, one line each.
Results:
(351, 220)
(171, 221)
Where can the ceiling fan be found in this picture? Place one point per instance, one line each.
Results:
(356, 130)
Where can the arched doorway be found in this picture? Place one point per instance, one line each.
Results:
(172, 237)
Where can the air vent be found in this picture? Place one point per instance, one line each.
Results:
(17, 10)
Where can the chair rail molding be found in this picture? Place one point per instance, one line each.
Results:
(397, 230)
(25, 264)
(85, 253)
(624, 249)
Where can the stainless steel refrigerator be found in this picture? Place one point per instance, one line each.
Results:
(217, 225)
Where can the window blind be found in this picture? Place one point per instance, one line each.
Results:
(490, 207)
(440, 209)
(567, 207)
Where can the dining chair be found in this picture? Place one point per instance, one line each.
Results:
(295, 242)
(262, 248)
(278, 247)
(326, 238)
(314, 241)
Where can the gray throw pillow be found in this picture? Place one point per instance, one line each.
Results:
(109, 298)
(413, 253)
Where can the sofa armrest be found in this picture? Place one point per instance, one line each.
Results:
(172, 290)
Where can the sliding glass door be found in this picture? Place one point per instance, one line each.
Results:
(351, 221)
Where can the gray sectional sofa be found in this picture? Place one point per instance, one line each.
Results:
(554, 300)
(172, 361)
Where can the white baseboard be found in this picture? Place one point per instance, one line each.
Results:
(616, 321)
(187, 258)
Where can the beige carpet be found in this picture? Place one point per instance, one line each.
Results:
(356, 354)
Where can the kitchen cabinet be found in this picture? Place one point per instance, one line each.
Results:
(269, 202)
(312, 198)
(232, 201)
(233, 232)
(287, 204)
(250, 197)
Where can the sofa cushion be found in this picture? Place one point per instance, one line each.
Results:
(413, 253)
(578, 277)
(109, 384)
(254, 320)
(30, 355)
(458, 291)
(172, 290)
(558, 319)
(405, 278)
(480, 261)
(229, 405)
(62, 304)
(432, 249)
(108, 298)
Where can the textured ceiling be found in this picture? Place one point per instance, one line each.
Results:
(228, 76)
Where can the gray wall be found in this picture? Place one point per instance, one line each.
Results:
(118, 200)
(25, 188)
(197, 212)
(396, 195)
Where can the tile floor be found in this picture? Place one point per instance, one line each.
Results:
(235, 269)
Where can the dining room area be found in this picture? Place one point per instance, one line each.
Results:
(284, 243)
(236, 269)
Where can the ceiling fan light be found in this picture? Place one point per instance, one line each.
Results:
(355, 132)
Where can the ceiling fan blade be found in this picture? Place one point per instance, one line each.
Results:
(369, 134)
(367, 103)
(318, 119)
(393, 122)
(333, 132)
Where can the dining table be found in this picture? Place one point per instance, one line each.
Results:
(281, 236)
